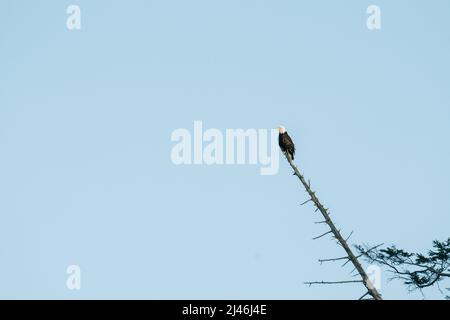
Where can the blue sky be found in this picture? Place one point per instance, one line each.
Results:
(86, 117)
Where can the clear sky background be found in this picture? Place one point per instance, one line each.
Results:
(86, 116)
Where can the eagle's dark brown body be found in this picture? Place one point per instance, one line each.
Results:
(286, 144)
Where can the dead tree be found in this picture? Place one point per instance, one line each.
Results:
(350, 256)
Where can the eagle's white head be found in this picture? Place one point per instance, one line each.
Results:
(281, 129)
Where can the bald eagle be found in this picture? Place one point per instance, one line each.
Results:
(285, 142)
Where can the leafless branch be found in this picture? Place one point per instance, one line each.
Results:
(349, 236)
(332, 282)
(322, 235)
(365, 294)
(336, 233)
(333, 259)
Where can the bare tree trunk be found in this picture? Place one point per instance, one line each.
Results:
(337, 235)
